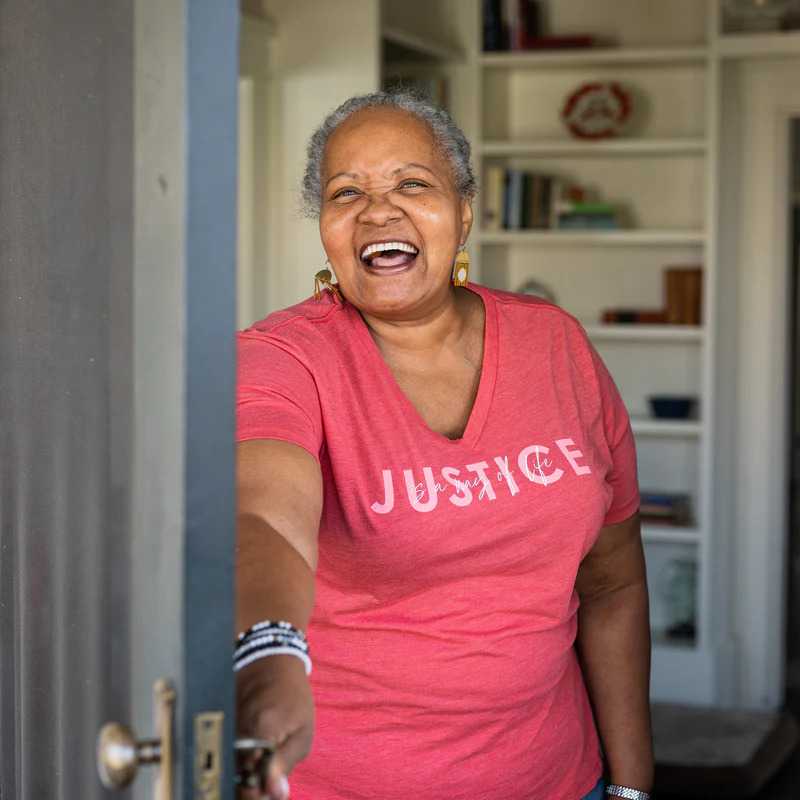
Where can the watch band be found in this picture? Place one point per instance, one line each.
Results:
(626, 791)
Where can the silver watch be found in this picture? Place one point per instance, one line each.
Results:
(626, 791)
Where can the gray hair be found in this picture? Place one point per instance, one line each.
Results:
(447, 135)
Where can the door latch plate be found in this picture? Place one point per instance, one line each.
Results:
(208, 758)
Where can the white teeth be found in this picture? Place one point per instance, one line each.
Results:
(381, 247)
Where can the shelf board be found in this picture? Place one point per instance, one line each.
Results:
(671, 534)
(759, 45)
(596, 56)
(607, 147)
(645, 333)
(619, 237)
(660, 642)
(420, 46)
(673, 428)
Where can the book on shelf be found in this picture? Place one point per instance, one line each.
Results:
(517, 199)
(517, 25)
(683, 286)
(588, 222)
(538, 191)
(494, 198)
(623, 316)
(509, 24)
(584, 215)
(665, 508)
(512, 210)
(559, 190)
(560, 42)
(567, 206)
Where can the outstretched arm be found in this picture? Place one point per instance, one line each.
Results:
(614, 648)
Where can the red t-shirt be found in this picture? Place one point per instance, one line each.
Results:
(445, 614)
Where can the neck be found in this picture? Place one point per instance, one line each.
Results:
(432, 329)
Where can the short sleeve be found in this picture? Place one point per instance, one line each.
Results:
(276, 395)
(622, 476)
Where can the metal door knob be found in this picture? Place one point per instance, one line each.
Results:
(119, 755)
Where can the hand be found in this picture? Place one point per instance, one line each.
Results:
(274, 703)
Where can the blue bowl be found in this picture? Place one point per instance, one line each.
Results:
(667, 406)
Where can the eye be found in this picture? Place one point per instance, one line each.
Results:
(413, 183)
(344, 193)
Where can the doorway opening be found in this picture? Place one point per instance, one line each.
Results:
(793, 615)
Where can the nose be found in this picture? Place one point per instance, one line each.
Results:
(379, 210)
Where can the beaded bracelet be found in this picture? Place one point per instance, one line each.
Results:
(270, 638)
(615, 790)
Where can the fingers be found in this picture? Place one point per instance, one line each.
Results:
(263, 773)
(274, 706)
(288, 753)
(251, 774)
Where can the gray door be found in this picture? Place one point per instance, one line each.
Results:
(117, 264)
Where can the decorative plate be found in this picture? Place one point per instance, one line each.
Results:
(537, 289)
(597, 110)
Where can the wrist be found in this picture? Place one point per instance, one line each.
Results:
(268, 670)
(641, 781)
(637, 773)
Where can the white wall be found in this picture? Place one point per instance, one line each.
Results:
(320, 54)
(256, 41)
(753, 379)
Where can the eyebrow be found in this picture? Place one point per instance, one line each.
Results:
(354, 175)
(412, 165)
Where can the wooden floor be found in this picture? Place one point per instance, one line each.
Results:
(786, 784)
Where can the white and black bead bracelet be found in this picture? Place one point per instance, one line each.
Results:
(270, 638)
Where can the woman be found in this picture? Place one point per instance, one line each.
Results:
(438, 483)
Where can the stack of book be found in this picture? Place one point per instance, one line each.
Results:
(683, 300)
(665, 508)
(519, 200)
(683, 288)
(517, 25)
(586, 216)
(642, 316)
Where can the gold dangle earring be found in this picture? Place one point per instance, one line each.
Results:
(323, 278)
(461, 268)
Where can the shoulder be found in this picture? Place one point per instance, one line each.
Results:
(306, 314)
(301, 339)
(537, 315)
(301, 329)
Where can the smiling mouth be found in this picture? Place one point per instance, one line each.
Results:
(393, 256)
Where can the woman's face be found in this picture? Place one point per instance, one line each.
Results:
(384, 182)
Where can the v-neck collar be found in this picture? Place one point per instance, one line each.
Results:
(486, 384)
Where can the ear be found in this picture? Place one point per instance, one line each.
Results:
(466, 218)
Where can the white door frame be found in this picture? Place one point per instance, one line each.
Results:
(759, 583)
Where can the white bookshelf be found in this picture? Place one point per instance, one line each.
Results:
(421, 46)
(509, 104)
(758, 45)
(674, 56)
(681, 429)
(654, 238)
(670, 534)
(631, 332)
(674, 150)
(560, 147)
(688, 72)
(595, 56)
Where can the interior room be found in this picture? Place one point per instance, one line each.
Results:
(672, 239)
(189, 485)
